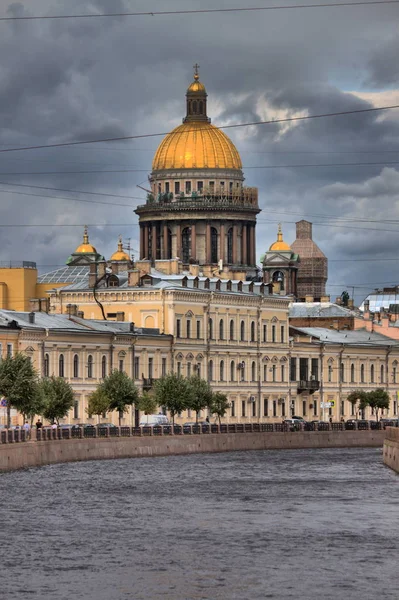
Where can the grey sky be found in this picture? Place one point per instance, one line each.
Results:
(94, 78)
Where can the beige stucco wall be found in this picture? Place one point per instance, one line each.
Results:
(391, 448)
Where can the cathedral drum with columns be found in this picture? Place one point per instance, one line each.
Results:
(198, 209)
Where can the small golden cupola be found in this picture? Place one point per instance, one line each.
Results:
(120, 254)
(280, 245)
(86, 247)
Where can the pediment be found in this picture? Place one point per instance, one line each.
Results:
(278, 259)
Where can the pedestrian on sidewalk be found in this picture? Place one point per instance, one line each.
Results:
(26, 428)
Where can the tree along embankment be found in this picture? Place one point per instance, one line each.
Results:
(38, 453)
(391, 448)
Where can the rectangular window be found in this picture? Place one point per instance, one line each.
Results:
(231, 186)
(283, 408)
(254, 409)
(265, 333)
(393, 372)
(265, 407)
(222, 184)
(304, 408)
(178, 328)
(282, 333)
(233, 408)
(188, 329)
(303, 369)
(179, 368)
(177, 187)
(200, 186)
(167, 187)
(121, 365)
(282, 372)
(273, 333)
(9, 350)
(76, 409)
(150, 368)
(212, 185)
(264, 372)
(136, 367)
(198, 330)
(293, 369)
(188, 187)
(330, 370)
(314, 408)
(274, 373)
(243, 408)
(315, 369)
(274, 408)
(163, 372)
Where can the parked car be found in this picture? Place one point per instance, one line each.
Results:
(203, 424)
(153, 420)
(298, 418)
(105, 425)
(293, 424)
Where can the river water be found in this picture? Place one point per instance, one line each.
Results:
(303, 524)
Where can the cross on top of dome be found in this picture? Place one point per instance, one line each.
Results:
(196, 73)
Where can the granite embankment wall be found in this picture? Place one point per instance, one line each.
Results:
(391, 448)
(33, 454)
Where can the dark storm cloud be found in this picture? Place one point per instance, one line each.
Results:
(95, 78)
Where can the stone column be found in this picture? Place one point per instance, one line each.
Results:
(142, 251)
(244, 245)
(146, 247)
(154, 241)
(222, 242)
(178, 240)
(165, 241)
(208, 243)
(194, 241)
(235, 236)
(251, 232)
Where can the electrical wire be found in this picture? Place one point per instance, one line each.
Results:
(253, 123)
(199, 11)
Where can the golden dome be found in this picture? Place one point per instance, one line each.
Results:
(85, 248)
(196, 145)
(280, 244)
(196, 86)
(120, 254)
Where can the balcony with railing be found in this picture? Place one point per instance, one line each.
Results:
(148, 383)
(311, 386)
(206, 197)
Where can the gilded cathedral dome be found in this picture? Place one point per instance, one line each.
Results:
(196, 144)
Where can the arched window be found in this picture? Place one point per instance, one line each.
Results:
(352, 373)
(186, 244)
(382, 373)
(195, 107)
(90, 366)
(242, 371)
(76, 365)
(214, 245)
(232, 329)
(242, 331)
(230, 245)
(253, 371)
(201, 107)
(211, 329)
(221, 329)
(330, 372)
(372, 374)
(264, 372)
(46, 365)
(210, 370)
(278, 277)
(361, 373)
(221, 367)
(104, 367)
(253, 331)
(61, 366)
(342, 372)
(232, 371)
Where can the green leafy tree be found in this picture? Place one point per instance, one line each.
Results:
(174, 392)
(147, 403)
(201, 397)
(219, 405)
(378, 400)
(58, 398)
(98, 403)
(358, 399)
(19, 385)
(121, 392)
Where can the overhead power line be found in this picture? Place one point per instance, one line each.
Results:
(253, 123)
(298, 166)
(53, 189)
(198, 11)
